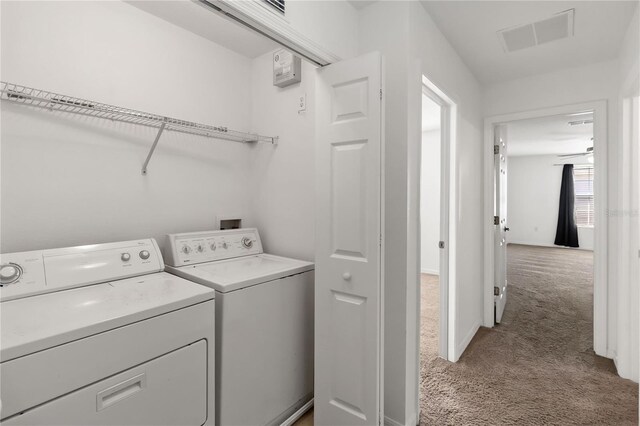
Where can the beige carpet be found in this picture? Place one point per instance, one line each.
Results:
(537, 367)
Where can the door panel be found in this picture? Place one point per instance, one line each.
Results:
(168, 390)
(501, 228)
(348, 243)
(348, 184)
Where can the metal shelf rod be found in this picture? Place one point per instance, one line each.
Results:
(153, 148)
(38, 98)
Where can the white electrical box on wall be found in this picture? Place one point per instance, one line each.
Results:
(287, 68)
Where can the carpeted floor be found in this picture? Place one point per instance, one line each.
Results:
(537, 367)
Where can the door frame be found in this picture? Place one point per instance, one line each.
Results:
(601, 231)
(447, 137)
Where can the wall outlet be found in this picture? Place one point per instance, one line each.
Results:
(302, 103)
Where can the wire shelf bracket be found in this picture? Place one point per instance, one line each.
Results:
(43, 99)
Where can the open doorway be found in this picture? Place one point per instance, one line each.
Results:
(550, 221)
(540, 147)
(430, 193)
(436, 238)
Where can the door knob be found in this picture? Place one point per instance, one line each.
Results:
(346, 276)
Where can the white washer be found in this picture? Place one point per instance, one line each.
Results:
(99, 335)
(264, 323)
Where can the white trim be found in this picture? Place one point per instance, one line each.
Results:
(430, 271)
(390, 422)
(465, 342)
(600, 287)
(447, 272)
(298, 414)
(274, 26)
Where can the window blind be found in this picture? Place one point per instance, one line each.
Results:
(584, 206)
(276, 4)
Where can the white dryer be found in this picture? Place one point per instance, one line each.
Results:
(100, 335)
(264, 323)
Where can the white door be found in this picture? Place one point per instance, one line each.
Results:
(500, 220)
(348, 296)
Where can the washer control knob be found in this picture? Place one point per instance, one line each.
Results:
(144, 254)
(125, 257)
(186, 249)
(10, 273)
(224, 245)
(213, 246)
(247, 243)
(200, 248)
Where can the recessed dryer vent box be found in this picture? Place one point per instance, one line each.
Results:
(287, 68)
(229, 223)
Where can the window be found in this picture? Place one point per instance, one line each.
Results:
(584, 208)
(277, 5)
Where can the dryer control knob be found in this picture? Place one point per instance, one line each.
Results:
(125, 257)
(186, 249)
(247, 243)
(200, 248)
(213, 246)
(10, 273)
(144, 254)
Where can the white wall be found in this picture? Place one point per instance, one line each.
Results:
(533, 194)
(430, 203)
(331, 24)
(597, 81)
(626, 216)
(283, 192)
(69, 180)
(384, 26)
(441, 64)
(412, 45)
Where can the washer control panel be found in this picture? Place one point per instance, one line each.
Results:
(198, 247)
(43, 271)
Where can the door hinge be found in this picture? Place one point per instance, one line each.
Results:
(496, 220)
(380, 94)
(496, 291)
(441, 244)
(496, 149)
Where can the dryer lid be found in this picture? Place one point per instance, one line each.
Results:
(35, 323)
(242, 272)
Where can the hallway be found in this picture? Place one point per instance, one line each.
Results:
(538, 366)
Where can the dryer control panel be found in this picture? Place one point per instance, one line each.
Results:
(43, 271)
(207, 246)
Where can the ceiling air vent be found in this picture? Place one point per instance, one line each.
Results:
(557, 27)
(276, 4)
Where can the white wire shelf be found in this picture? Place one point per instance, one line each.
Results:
(43, 99)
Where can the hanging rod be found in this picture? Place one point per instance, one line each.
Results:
(56, 102)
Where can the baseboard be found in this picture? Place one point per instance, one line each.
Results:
(465, 342)
(390, 422)
(298, 414)
(430, 271)
(518, 243)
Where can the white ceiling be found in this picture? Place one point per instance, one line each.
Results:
(549, 135)
(471, 26)
(361, 4)
(430, 114)
(205, 22)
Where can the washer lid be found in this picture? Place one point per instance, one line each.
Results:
(35, 323)
(241, 272)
